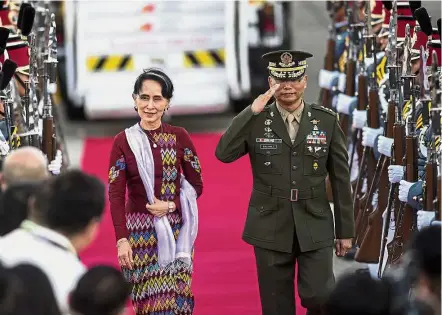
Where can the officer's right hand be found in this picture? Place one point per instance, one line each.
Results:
(261, 101)
(125, 254)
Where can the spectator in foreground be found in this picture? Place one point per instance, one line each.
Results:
(63, 220)
(25, 164)
(21, 168)
(24, 290)
(14, 206)
(101, 291)
(426, 248)
(358, 294)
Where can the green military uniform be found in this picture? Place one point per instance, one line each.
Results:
(289, 217)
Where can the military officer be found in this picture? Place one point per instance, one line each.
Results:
(292, 147)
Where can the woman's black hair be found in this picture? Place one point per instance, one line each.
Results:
(26, 289)
(101, 291)
(156, 75)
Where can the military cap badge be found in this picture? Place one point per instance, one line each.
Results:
(287, 64)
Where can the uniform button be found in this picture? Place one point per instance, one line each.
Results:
(294, 182)
(294, 167)
(294, 153)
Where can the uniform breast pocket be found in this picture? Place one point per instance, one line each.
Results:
(315, 159)
(268, 158)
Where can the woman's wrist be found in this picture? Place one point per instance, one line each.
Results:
(121, 240)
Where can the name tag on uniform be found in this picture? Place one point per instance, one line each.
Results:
(268, 146)
(268, 140)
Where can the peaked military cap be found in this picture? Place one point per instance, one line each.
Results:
(287, 64)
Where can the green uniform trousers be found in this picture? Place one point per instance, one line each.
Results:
(276, 276)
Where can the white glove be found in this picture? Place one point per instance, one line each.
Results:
(424, 218)
(359, 118)
(404, 188)
(328, 79)
(395, 173)
(364, 186)
(374, 201)
(55, 166)
(4, 147)
(384, 145)
(344, 102)
(369, 136)
(342, 82)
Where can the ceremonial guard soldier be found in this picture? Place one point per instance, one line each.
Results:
(413, 192)
(292, 147)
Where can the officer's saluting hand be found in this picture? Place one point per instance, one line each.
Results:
(261, 101)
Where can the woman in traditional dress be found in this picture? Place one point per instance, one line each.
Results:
(156, 228)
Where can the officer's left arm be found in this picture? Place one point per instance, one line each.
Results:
(339, 175)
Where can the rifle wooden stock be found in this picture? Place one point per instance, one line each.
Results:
(437, 202)
(430, 186)
(362, 105)
(411, 156)
(405, 220)
(48, 138)
(329, 65)
(373, 122)
(357, 142)
(362, 220)
(350, 91)
(370, 247)
(397, 157)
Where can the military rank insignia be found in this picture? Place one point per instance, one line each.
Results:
(316, 136)
(315, 165)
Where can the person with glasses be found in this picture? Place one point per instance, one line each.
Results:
(155, 229)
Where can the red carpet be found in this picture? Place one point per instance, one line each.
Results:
(225, 281)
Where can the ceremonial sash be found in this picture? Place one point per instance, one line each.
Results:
(168, 249)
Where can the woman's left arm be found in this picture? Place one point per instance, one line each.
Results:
(190, 162)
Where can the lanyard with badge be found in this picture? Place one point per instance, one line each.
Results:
(30, 227)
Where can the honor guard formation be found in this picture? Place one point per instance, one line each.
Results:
(382, 77)
(28, 48)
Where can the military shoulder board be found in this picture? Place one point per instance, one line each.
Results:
(324, 109)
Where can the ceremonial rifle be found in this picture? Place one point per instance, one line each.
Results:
(351, 61)
(22, 104)
(330, 55)
(433, 194)
(49, 76)
(430, 185)
(398, 152)
(406, 218)
(8, 71)
(362, 101)
(373, 122)
(370, 247)
(357, 134)
(31, 86)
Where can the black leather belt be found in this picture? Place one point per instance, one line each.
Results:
(291, 194)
